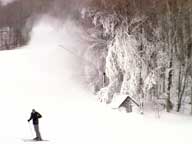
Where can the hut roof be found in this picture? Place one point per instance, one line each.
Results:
(119, 99)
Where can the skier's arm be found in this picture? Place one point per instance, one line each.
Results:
(30, 118)
(39, 115)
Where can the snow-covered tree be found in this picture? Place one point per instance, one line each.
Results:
(145, 54)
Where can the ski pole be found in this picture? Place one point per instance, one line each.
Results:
(30, 129)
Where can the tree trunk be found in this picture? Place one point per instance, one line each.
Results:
(191, 100)
(183, 86)
(169, 79)
(168, 101)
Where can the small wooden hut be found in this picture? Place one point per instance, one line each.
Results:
(124, 101)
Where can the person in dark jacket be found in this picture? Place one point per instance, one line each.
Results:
(35, 117)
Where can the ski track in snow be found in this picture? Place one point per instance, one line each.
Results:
(42, 77)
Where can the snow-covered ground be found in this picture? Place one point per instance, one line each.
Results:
(42, 76)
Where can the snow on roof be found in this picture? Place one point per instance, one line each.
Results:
(117, 100)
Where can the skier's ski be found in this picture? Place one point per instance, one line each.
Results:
(32, 140)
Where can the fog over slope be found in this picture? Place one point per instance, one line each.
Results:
(42, 75)
(48, 74)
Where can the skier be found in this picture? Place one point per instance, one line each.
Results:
(35, 117)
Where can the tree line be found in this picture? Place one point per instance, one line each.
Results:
(144, 47)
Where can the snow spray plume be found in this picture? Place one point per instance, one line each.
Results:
(59, 9)
(62, 19)
(51, 33)
(66, 8)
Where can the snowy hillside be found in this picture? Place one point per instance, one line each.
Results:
(42, 76)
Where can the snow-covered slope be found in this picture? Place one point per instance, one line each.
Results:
(41, 76)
